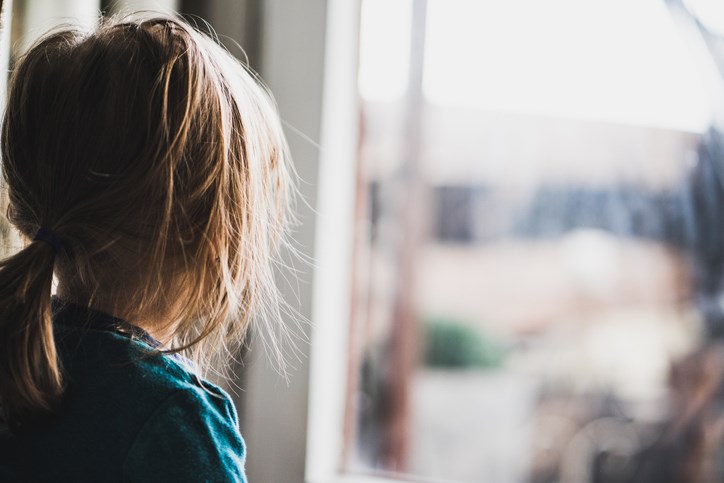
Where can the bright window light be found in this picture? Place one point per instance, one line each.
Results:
(615, 60)
(710, 13)
(385, 52)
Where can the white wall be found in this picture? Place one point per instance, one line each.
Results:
(292, 64)
(155, 5)
(41, 15)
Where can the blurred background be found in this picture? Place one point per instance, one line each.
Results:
(514, 214)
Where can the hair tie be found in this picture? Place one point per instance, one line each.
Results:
(48, 236)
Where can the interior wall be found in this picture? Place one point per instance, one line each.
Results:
(32, 18)
(292, 65)
(133, 5)
(236, 22)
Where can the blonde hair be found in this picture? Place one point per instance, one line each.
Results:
(159, 162)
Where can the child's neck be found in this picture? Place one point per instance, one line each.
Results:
(151, 323)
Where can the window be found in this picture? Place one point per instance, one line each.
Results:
(536, 284)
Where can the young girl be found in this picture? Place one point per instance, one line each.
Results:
(147, 169)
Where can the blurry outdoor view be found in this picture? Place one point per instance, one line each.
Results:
(538, 291)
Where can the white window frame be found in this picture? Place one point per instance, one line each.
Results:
(294, 431)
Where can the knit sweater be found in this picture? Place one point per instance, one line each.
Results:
(129, 413)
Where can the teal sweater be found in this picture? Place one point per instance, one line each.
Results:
(129, 414)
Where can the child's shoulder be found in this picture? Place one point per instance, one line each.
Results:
(125, 372)
(102, 360)
(184, 428)
(198, 428)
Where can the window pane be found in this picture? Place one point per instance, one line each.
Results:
(537, 278)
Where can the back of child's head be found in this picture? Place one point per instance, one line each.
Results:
(150, 167)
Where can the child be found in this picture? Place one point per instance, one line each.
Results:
(147, 168)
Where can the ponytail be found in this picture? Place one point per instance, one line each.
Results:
(30, 375)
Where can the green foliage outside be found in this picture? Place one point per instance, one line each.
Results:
(450, 344)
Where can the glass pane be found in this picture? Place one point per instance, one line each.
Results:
(538, 267)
